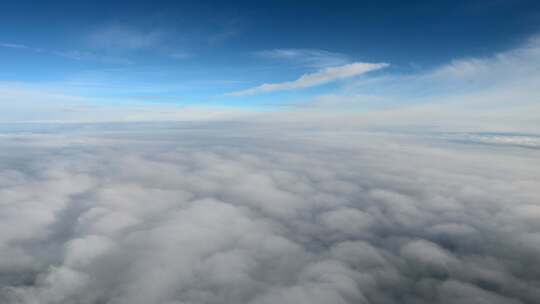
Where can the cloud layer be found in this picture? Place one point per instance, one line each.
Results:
(314, 79)
(213, 213)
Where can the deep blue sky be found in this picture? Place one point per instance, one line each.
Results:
(196, 51)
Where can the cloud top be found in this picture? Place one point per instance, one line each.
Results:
(214, 213)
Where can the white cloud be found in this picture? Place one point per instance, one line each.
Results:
(224, 213)
(119, 37)
(91, 56)
(505, 66)
(23, 47)
(73, 54)
(314, 79)
(496, 93)
(311, 58)
(180, 55)
(16, 46)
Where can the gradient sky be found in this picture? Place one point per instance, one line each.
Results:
(220, 53)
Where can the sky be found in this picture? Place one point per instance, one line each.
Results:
(63, 57)
(250, 152)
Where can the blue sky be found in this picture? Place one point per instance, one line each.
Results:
(254, 54)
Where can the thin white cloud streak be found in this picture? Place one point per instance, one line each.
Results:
(90, 56)
(520, 62)
(119, 37)
(498, 93)
(18, 46)
(74, 55)
(180, 55)
(314, 79)
(311, 58)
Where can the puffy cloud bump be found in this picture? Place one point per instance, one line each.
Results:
(219, 214)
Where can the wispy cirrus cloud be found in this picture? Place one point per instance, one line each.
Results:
(314, 79)
(124, 39)
(23, 47)
(70, 54)
(180, 55)
(311, 58)
(496, 92)
(18, 46)
(90, 56)
(120, 37)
